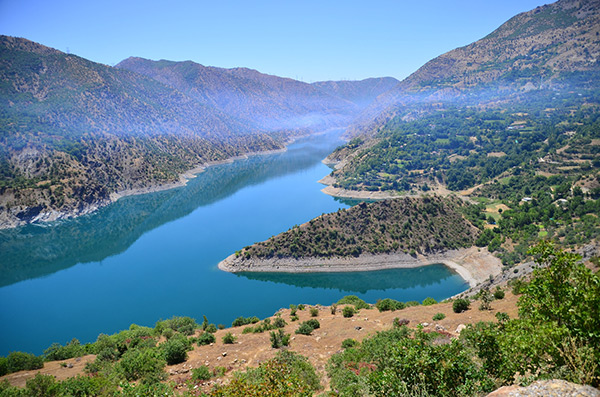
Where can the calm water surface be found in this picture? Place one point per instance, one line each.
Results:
(153, 256)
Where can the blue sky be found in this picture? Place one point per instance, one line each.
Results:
(310, 40)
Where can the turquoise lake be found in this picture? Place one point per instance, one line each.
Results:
(154, 256)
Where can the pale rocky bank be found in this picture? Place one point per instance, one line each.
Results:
(474, 265)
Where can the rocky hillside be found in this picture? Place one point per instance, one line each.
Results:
(553, 45)
(76, 132)
(261, 100)
(408, 225)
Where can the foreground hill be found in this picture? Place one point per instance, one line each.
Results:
(461, 347)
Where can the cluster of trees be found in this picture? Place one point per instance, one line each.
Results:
(409, 225)
(555, 336)
(555, 208)
(463, 147)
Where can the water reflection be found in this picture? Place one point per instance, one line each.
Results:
(362, 282)
(33, 251)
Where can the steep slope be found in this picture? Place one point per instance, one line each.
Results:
(75, 131)
(555, 45)
(408, 225)
(265, 101)
(361, 92)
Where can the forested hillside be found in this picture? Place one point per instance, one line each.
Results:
(75, 132)
(408, 225)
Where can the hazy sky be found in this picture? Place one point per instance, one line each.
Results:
(309, 40)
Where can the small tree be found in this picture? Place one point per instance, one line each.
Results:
(348, 311)
(229, 339)
(461, 305)
(486, 298)
(279, 339)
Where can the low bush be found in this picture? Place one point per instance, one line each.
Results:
(388, 304)
(229, 339)
(314, 312)
(19, 361)
(439, 316)
(460, 305)
(348, 343)
(244, 321)
(355, 301)
(499, 293)
(175, 350)
(348, 311)
(205, 338)
(307, 327)
(58, 352)
(429, 302)
(288, 374)
(279, 339)
(184, 325)
(201, 373)
(279, 322)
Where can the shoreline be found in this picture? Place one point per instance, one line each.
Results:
(184, 178)
(474, 265)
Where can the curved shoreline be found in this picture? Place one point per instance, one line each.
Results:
(474, 265)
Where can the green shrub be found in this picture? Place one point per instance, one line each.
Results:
(3, 366)
(354, 300)
(402, 362)
(229, 339)
(288, 374)
(211, 328)
(412, 303)
(175, 350)
(499, 293)
(301, 306)
(347, 343)
(486, 298)
(460, 305)
(145, 364)
(439, 316)
(279, 339)
(184, 325)
(201, 373)
(348, 311)
(333, 309)
(19, 361)
(502, 317)
(244, 321)
(388, 304)
(279, 322)
(42, 386)
(294, 318)
(81, 386)
(205, 338)
(314, 312)
(305, 329)
(429, 302)
(58, 352)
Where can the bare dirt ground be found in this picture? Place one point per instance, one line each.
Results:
(252, 349)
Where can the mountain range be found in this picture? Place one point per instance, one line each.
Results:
(75, 132)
